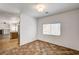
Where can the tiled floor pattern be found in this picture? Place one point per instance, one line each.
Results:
(40, 48)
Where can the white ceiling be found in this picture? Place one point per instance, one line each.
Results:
(29, 8)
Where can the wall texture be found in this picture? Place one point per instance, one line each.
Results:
(27, 29)
(69, 29)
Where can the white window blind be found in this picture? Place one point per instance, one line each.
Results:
(52, 29)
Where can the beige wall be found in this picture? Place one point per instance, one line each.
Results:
(69, 29)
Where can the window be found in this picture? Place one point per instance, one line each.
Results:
(51, 29)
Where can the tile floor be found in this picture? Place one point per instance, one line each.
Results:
(40, 48)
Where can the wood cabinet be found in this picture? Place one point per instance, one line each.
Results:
(14, 35)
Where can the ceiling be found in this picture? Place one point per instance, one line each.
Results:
(29, 8)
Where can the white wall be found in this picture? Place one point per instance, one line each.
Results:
(69, 30)
(27, 29)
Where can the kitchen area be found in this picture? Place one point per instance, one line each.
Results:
(9, 34)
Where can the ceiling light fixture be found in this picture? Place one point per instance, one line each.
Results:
(40, 7)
